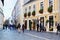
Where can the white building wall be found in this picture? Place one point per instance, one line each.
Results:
(59, 5)
(1, 21)
(1, 15)
(59, 9)
(20, 10)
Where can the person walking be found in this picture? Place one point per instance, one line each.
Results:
(19, 27)
(37, 24)
(37, 27)
(23, 28)
(58, 28)
(40, 27)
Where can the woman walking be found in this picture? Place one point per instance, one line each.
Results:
(19, 27)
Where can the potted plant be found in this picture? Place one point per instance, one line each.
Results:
(41, 11)
(51, 28)
(25, 14)
(33, 13)
(47, 21)
(50, 9)
(52, 21)
(29, 14)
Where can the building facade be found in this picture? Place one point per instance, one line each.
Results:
(1, 14)
(47, 11)
(17, 13)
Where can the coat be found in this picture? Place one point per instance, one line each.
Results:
(58, 27)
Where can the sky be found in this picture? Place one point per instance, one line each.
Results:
(8, 7)
(26, 1)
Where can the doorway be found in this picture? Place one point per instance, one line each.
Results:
(25, 24)
(30, 25)
(42, 21)
(51, 23)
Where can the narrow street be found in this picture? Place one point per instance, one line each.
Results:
(27, 35)
(30, 16)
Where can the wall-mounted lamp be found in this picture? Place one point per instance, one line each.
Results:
(55, 16)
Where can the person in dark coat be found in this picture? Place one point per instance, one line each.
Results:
(23, 28)
(19, 25)
(58, 28)
(40, 27)
(37, 27)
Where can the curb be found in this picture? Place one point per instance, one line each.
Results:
(53, 32)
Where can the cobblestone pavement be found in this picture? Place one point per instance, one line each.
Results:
(27, 35)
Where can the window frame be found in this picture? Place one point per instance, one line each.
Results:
(34, 7)
(41, 5)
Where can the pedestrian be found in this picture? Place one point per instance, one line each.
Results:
(37, 27)
(14, 26)
(40, 27)
(3, 26)
(6, 26)
(10, 26)
(23, 28)
(58, 28)
(37, 24)
(19, 27)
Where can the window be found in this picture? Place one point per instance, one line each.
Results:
(29, 8)
(33, 7)
(25, 9)
(50, 3)
(41, 5)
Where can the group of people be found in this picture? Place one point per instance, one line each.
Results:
(9, 26)
(13, 26)
(40, 27)
(19, 27)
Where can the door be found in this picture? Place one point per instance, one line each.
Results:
(30, 25)
(42, 22)
(51, 23)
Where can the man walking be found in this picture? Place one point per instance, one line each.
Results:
(58, 28)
